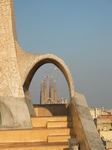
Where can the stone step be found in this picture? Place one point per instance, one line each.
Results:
(51, 110)
(33, 135)
(57, 124)
(61, 138)
(42, 121)
(35, 146)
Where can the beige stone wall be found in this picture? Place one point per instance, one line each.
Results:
(12, 98)
(10, 81)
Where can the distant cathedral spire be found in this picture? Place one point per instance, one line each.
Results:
(48, 92)
(51, 89)
(44, 99)
(55, 92)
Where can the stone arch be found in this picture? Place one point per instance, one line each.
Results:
(49, 58)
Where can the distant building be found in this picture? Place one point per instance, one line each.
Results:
(97, 112)
(103, 121)
(48, 92)
(63, 101)
(104, 127)
(104, 124)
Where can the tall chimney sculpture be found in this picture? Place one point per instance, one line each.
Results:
(17, 69)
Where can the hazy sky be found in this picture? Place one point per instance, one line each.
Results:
(79, 32)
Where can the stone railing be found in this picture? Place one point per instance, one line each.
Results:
(84, 127)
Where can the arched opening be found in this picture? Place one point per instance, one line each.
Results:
(56, 84)
(49, 58)
(35, 65)
(49, 101)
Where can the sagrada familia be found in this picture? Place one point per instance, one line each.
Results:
(48, 92)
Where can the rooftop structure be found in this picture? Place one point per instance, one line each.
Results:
(23, 125)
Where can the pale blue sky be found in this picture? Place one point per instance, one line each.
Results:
(79, 32)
